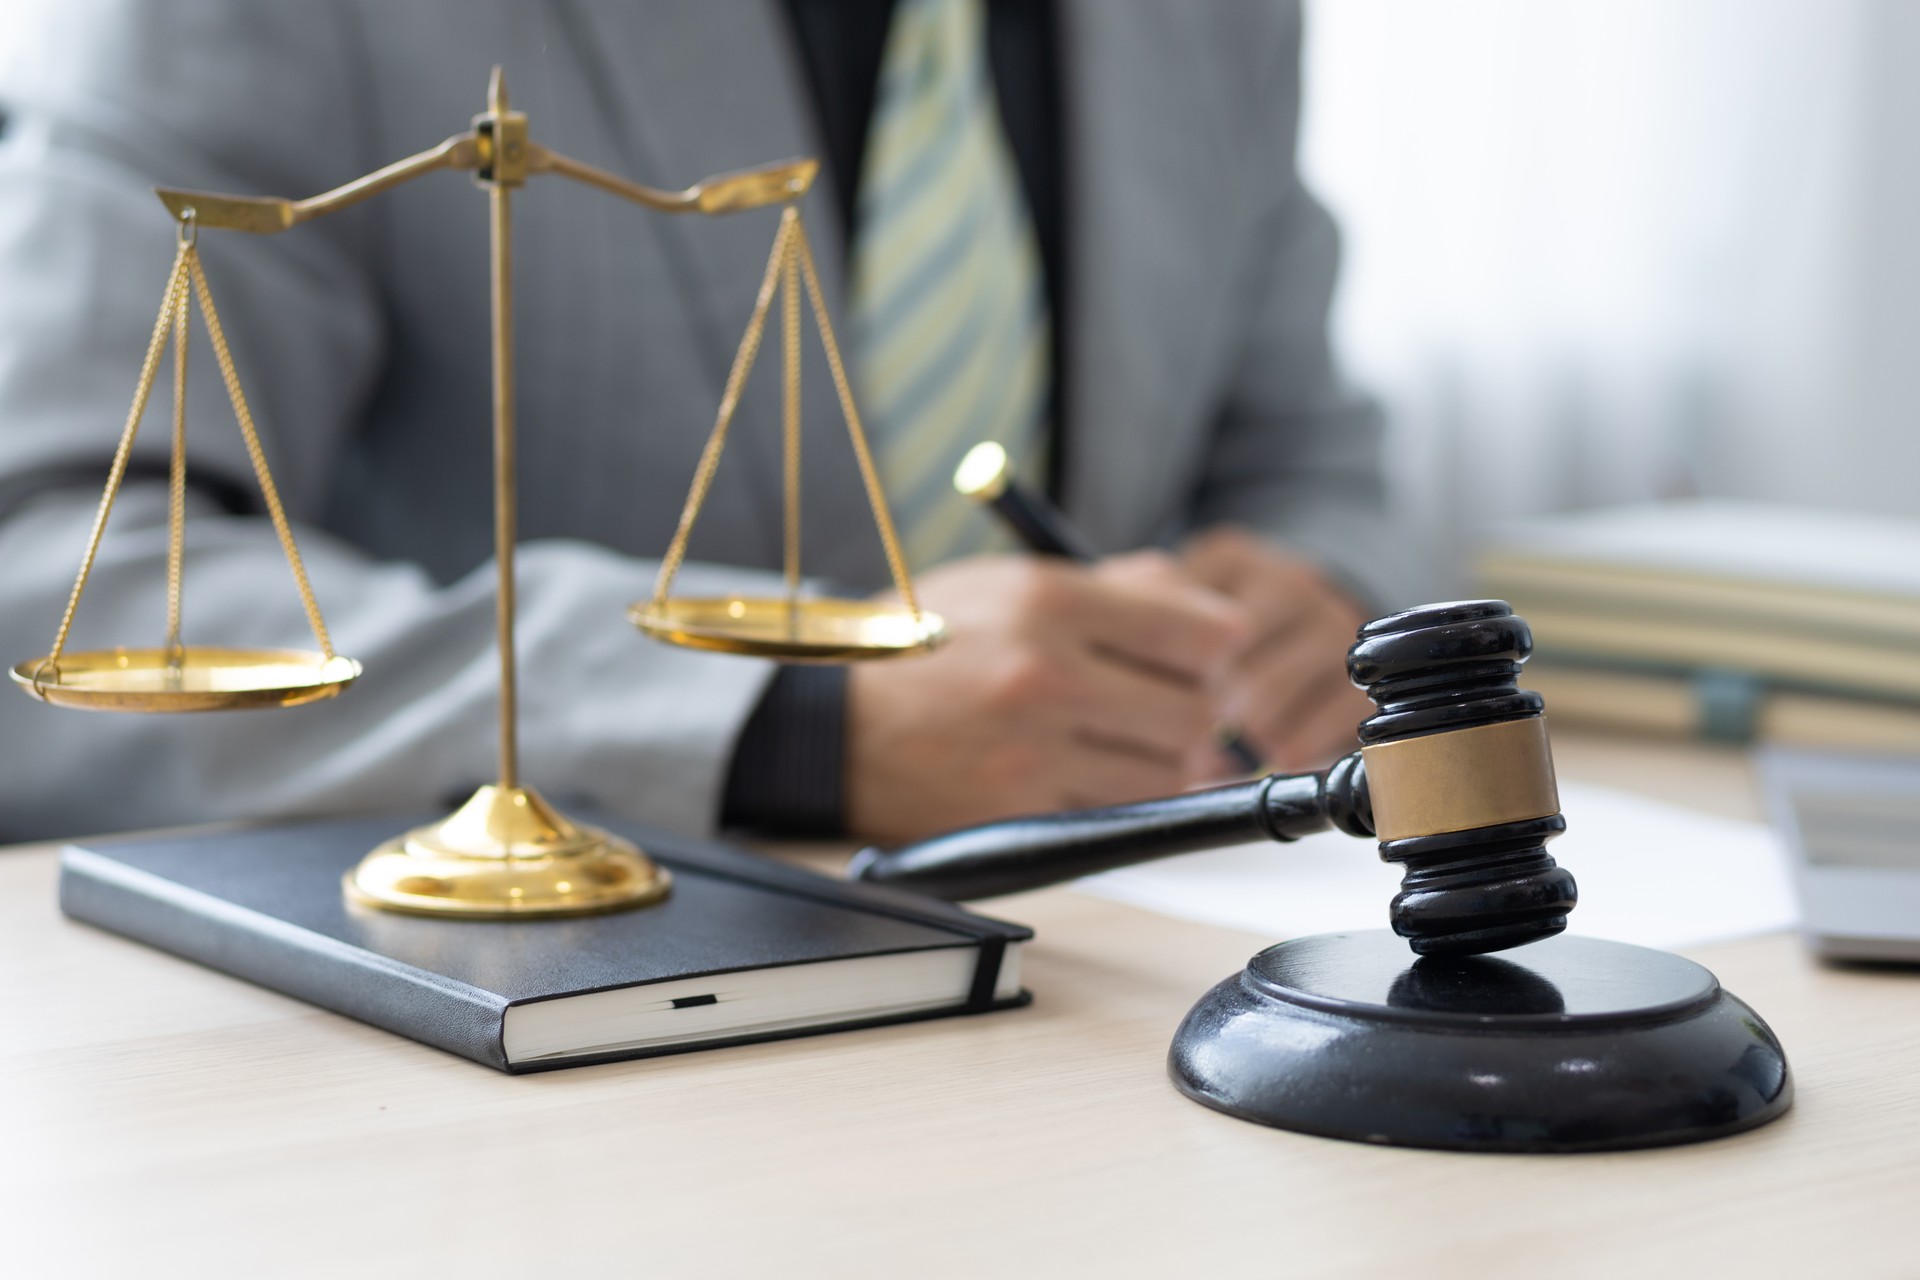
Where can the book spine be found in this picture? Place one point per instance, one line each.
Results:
(1748, 604)
(1718, 706)
(1836, 666)
(986, 974)
(399, 998)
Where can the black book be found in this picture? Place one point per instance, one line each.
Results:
(744, 949)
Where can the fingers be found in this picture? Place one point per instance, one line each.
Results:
(1147, 611)
(1325, 730)
(1142, 709)
(1279, 591)
(1294, 699)
(1291, 694)
(1211, 763)
(1221, 557)
(1101, 771)
(1066, 686)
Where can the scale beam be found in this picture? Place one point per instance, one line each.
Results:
(266, 215)
(473, 152)
(723, 193)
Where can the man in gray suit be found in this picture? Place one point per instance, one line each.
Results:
(1182, 395)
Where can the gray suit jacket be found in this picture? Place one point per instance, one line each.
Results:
(1201, 384)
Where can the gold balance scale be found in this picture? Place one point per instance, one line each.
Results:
(506, 853)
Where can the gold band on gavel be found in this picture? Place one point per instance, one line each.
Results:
(1462, 779)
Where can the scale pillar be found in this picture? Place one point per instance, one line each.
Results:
(506, 853)
(503, 134)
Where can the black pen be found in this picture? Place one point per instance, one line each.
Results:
(985, 476)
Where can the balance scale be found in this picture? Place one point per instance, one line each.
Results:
(506, 853)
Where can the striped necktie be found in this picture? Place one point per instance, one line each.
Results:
(948, 316)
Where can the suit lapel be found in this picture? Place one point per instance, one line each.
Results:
(690, 88)
(1146, 272)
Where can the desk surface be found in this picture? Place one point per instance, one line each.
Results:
(158, 1117)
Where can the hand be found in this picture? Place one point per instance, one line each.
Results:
(1060, 686)
(1290, 695)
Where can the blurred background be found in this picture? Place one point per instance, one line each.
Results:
(1637, 281)
(1605, 251)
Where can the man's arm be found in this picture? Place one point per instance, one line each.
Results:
(108, 100)
(1296, 450)
(1291, 518)
(604, 714)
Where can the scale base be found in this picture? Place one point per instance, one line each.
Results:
(506, 854)
(1570, 1044)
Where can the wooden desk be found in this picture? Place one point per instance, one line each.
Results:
(160, 1119)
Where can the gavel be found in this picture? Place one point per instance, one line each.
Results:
(1454, 778)
(1575, 1044)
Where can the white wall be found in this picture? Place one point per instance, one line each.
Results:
(1603, 250)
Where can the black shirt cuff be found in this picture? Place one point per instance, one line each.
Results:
(787, 776)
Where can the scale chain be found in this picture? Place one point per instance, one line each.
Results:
(729, 401)
(790, 300)
(791, 256)
(177, 485)
(186, 278)
(149, 369)
(869, 475)
(224, 358)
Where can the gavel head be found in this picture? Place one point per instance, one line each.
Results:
(1460, 778)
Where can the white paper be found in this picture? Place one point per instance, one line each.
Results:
(1649, 873)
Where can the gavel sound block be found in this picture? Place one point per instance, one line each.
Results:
(1561, 1044)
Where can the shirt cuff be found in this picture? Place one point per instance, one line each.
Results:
(787, 776)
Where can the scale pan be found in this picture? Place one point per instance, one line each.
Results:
(793, 631)
(207, 679)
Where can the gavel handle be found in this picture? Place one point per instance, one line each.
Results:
(1031, 853)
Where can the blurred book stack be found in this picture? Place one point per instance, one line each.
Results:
(1723, 620)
